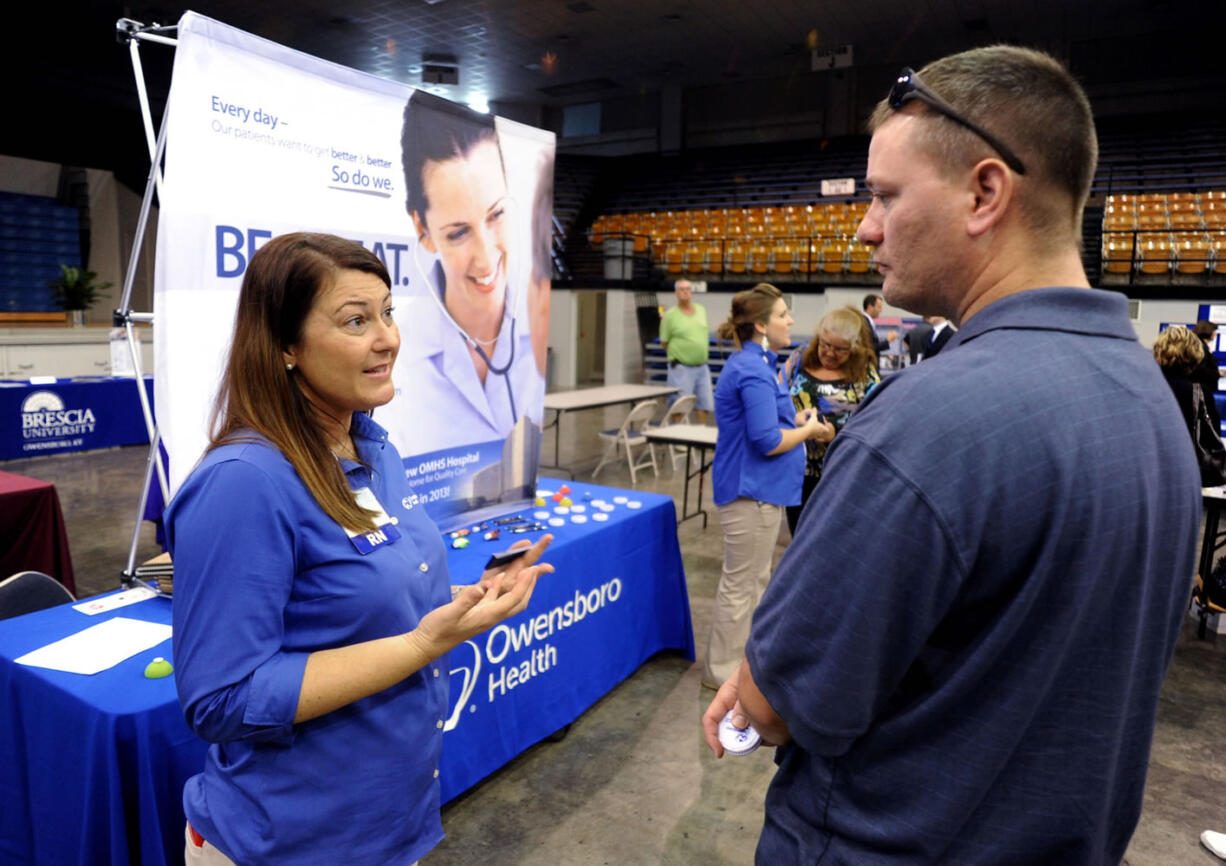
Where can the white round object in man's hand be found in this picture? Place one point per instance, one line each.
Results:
(734, 740)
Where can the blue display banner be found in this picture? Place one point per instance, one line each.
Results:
(70, 415)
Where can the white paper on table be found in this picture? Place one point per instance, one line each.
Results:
(98, 647)
(104, 603)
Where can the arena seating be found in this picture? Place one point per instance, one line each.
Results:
(37, 235)
(757, 212)
(1155, 233)
(768, 239)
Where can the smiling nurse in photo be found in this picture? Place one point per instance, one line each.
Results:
(469, 360)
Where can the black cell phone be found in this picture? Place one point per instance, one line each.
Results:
(506, 557)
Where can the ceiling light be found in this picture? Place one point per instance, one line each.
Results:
(479, 103)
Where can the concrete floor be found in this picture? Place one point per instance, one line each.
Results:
(632, 780)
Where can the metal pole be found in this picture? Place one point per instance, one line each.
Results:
(134, 32)
(142, 222)
(129, 574)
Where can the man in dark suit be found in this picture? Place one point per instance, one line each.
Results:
(873, 305)
(942, 330)
(917, 339)
(1208, 373)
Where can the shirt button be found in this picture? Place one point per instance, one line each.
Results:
(395, 520)
(423, 567)
(436, 673)
(436, 774)
(439, 724)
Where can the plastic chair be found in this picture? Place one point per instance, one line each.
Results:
(674, 258)
(630, 436)
(784, 257)
(834, 255)
(759, 258)
(695, 259)
(859, 258)
(1192, 255)
(1154, 255)
(1117, 254)
(28, 591)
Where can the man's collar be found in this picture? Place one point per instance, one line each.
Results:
(1070, 310)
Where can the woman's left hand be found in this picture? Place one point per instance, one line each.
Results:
(802, 417)
(508, 572)
(824, 432)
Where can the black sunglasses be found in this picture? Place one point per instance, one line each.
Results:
(909, 86)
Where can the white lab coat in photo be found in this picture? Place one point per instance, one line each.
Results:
(440, 403)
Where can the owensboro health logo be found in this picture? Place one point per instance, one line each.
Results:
(47, 424)
(515, 654)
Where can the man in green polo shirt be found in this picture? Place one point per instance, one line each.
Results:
(684, 334)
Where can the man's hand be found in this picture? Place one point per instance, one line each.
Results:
(725, 699)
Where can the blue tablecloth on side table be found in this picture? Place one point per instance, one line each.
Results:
(92, 767)
(70, 415)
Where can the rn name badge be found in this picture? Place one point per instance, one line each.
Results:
(383, 533)
(365, 542)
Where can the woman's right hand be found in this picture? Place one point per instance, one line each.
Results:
(475, 609)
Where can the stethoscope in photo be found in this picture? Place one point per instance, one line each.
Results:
(503, 371)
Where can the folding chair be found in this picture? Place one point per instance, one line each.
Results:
(678, 413)
(1205, 606)
(28, 591)
(630, 436)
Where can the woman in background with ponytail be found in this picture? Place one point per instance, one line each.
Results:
(758, 468)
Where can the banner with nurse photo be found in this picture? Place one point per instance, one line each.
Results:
(263, 140)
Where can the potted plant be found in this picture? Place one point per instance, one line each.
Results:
(76, 290)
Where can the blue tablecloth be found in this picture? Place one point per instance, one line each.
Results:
(70, 415)
(92, 767)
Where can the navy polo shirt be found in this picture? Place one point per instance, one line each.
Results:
(969, 658)
(751, 408)
(263, 578)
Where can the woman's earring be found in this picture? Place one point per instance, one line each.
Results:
(766, 344)
(289, 366)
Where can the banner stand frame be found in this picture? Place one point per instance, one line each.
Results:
(133, 33)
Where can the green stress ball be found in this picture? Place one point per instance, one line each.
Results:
(158, 668)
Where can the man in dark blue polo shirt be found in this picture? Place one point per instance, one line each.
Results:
(963, 666)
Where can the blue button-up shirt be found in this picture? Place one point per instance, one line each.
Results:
(263, 578)
(751, 409)
(969, 657)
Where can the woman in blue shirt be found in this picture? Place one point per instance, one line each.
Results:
(312, 608)
(758, 467)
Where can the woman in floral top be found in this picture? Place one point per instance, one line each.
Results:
(834, 374)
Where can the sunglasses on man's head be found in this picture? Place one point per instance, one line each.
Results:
(909, 86)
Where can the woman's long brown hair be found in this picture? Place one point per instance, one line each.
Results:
(257, 393)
